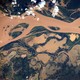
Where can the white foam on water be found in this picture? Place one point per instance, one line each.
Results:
(12, 25)
(23, 17)
(11, 17)
(19, 13)
(4, 15)
(37, 19)
(18, 16)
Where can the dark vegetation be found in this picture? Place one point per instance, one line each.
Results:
(70, 11)
(66, 73)
(38, 29)
(59, 70)
(21, 68)
(54, 28)
(15, 33)
(23, 25)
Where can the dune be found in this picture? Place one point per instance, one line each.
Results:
(5, 21)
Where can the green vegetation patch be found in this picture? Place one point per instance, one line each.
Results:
(15, 34)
